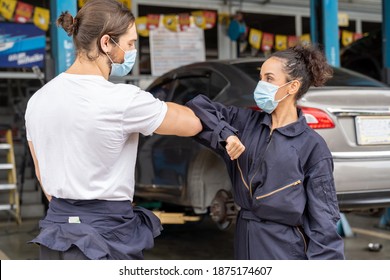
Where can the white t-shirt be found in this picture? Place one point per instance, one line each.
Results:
(85, 130)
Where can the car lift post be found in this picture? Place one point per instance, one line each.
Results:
(61, 44)
(384, 222)
(343, 227)
(324, 28)
(386, 40)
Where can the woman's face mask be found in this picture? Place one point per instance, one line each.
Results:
(264, 96)
(122, 69)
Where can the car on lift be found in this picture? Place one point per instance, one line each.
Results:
(351, 112)
(365, 55)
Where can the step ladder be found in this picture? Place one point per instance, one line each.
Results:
(9, 185)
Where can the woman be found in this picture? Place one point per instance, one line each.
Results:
(283, 182)
(83, 135)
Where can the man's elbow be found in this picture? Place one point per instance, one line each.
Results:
(195, 128)
(191, 128)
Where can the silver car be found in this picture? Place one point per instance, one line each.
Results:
(352, 113)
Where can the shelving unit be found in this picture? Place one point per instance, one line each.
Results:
(8, 185)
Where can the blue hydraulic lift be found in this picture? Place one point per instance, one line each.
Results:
(61, 44)
(385, 219)
(386, 40)
(324, 28)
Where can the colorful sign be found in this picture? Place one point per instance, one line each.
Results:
(184, 21)
(153, 21)
(7, 8)
(280, 42)
(126, 3)
(23, 12)
(292, 41)
(21, 45)
(170, 22)
(142, 29)
(41, 18)
(255, 38)
(268, 42)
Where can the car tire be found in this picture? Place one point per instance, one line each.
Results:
(207, 175)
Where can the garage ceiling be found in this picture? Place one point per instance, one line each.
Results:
(307, 2)
(362, 6)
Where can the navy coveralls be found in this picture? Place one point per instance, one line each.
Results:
(105, 230)
(283, 183)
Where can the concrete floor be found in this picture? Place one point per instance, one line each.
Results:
(201, 241)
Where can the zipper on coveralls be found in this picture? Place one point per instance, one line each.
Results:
(280, 189)
(303, 237)
(249, 187)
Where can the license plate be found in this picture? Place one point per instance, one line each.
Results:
(373, 130)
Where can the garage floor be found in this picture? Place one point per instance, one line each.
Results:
(201, 241)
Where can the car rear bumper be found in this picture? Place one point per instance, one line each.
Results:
(363, 200)
(362, 179)
(363, 156)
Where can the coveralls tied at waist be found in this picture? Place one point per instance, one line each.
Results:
(100, 229)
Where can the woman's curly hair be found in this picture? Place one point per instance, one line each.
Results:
(306, 64)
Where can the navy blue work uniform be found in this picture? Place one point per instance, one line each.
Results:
(283, 183)
(99, 229)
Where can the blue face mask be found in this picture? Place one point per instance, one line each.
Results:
(264, 95)
(122, 69)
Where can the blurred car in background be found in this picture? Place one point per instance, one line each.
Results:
(365, 55)
(352, 113)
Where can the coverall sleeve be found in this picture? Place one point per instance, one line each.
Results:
(322, 213)
(218, 121)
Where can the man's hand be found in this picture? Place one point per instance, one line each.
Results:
(234, 147)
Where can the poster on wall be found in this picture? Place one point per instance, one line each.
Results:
(21, 45)
(169, 49)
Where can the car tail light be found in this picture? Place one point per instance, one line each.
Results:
(317, 119)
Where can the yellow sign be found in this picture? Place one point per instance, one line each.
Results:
(170, 22)
(199, 19)
(305, 39)
(280, 42)
(7, 8)
(343, 19)
(142, 27)
(126, 3)
(255, 38)
(346, 37)
(82, 2)
(41, 18)
(224, 19)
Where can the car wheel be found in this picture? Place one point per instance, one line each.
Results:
(223, 211)
(206, 177)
